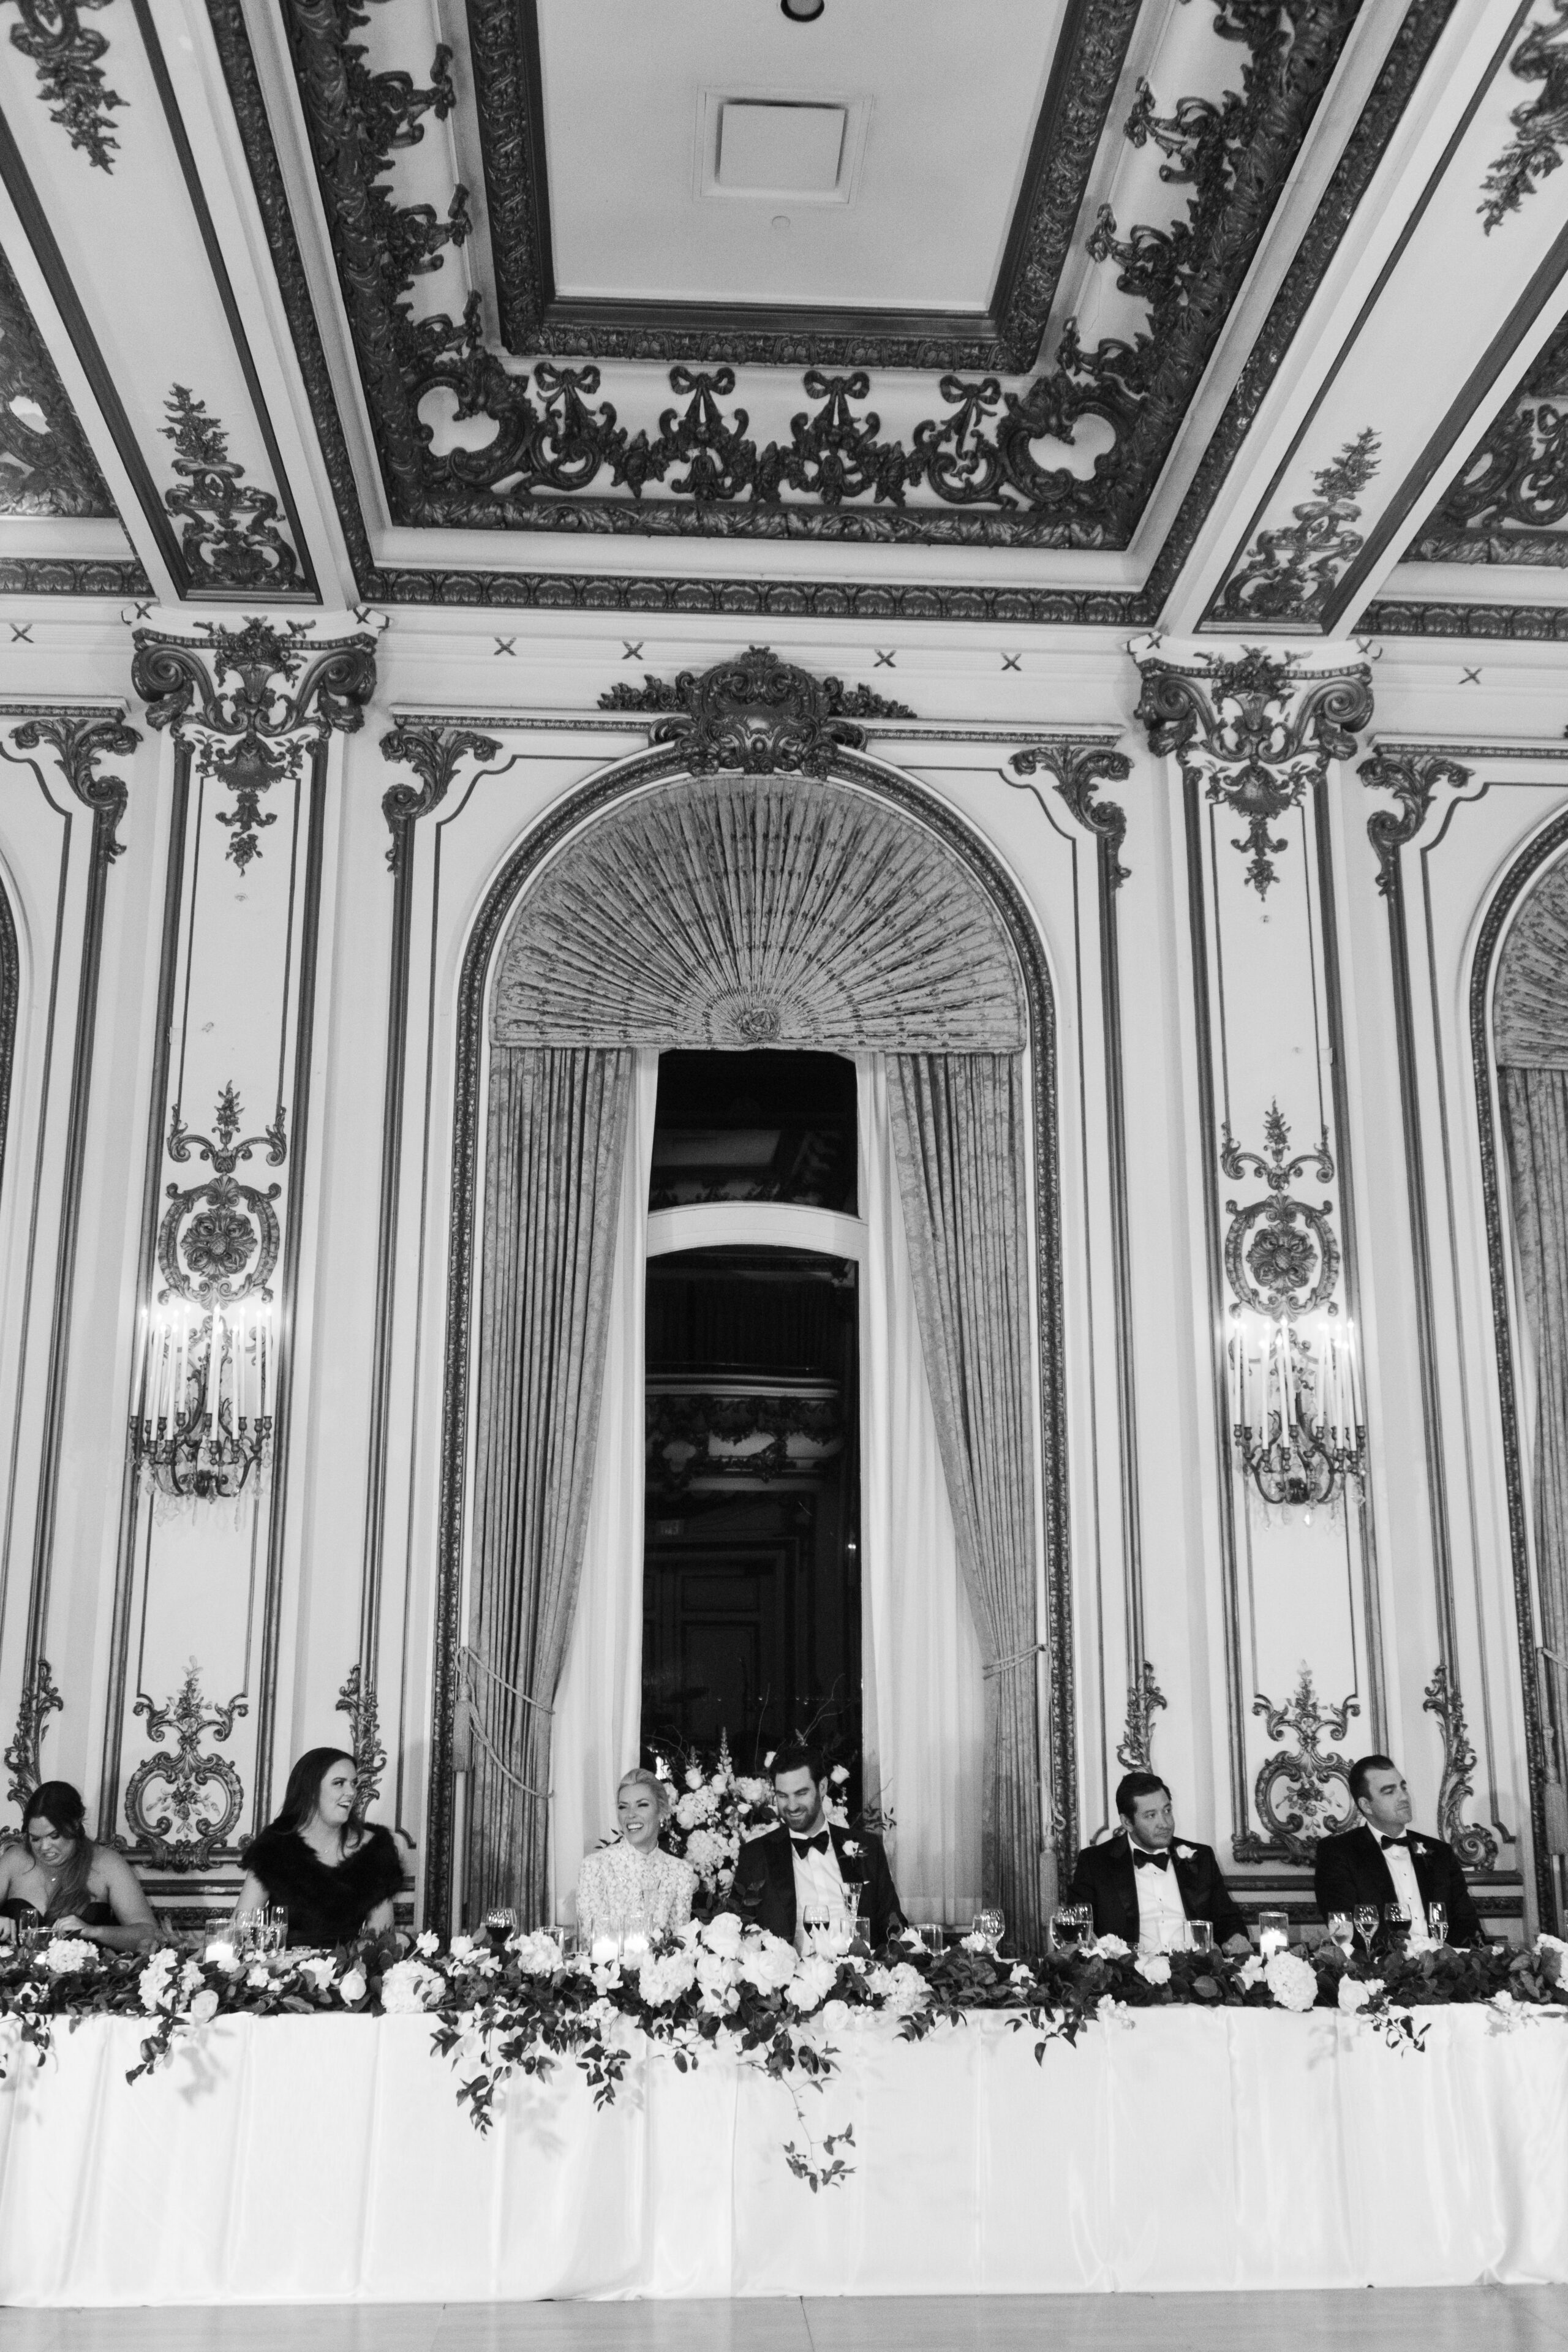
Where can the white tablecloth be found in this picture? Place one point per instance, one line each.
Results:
(295, 2159)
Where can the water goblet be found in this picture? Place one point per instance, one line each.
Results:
(1395, 1923)
(500, 1921)
(1366, 1924)
(1342, 1931)
(989, 1925)
(1064, 1928)
(1437, 1922)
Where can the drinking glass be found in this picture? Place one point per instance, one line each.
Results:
(1175, 1935)
(500, 1921)
(1395, 1921)
(1437, 1922)
(988, 1926)
(933, 1936)
(1064, 1928)
(1084, 1914)
(1366, 1924)
(566, 1937)
(1199, 1934)
(1273, 1933)
(815, 1919)
(1342, 1931)
(274, 1928)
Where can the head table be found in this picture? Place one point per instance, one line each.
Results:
(302, 2159)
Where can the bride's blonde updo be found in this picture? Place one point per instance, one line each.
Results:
(664, 1796)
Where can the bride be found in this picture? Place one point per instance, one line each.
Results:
(632, 1885)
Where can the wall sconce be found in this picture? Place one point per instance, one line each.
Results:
(1297, 1414)
(202, 1422)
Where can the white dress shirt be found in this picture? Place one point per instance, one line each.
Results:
(818, 1883)
(1160, 1904)
(1406, 1885)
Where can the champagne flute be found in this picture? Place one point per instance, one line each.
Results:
(1342, 1931)
(1366, 1924)
(1437, 1922)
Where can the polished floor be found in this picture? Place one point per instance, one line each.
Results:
(1418, 2319)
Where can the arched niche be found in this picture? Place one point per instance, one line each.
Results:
(561, 950)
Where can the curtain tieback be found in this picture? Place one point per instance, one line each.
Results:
(498, 1763)
(1017, 1658)
(469, 1659)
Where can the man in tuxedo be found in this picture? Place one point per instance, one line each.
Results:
(1145, 1880)
(808, 1861)
(1382, 1860)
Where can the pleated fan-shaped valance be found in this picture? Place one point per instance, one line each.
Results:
(1529, 1020)
(721, 911)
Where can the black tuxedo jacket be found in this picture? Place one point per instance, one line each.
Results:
(763, 1892)
(1106, 1877)
(1349, 1870)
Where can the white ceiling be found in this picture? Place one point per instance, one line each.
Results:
(939, 102)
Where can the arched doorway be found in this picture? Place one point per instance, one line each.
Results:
(816, 900)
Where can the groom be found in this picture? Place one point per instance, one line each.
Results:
(809, 1860)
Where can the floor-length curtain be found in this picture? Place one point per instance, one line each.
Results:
(1535, 1117)
(923, 1704)
(556, 1142)
(959, 1141)
(597, 1729)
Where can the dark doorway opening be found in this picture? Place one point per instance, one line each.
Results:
(754, 1127)
(751, 1577)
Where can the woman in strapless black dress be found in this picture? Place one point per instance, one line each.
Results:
(58, 1879)
(334, 1875)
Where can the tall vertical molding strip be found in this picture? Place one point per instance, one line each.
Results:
(78, 741)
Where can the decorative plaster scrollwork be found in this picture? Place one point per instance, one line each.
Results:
(1254, 732)
(1414, 778)
(256, 695)
(435, 754)
(1291, 570)
(756, 714)
(1475, 1847)
(71, 79)
(218, 1242)
(750, 1437)
(182, 1805)
(1144, 1696)
(1540, 129)
(356, 1699)
(231, 538)
(1303, 1796)
(79, 743)
(1281, 1255)
(1077, 770)
(40, 1699)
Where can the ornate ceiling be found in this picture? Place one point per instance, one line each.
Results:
(1238, 315)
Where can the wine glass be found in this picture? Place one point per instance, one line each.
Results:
(1342, 1931)
(1437, 1922)
(1395, 1921)
(988, 1927)
(1366, 1924)
(500, 1921)
(815, 1919)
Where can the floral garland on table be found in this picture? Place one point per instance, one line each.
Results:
(718, 1986)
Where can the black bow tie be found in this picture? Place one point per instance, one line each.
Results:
(1387, 1843)
(818, 1845)
(1160, 1861)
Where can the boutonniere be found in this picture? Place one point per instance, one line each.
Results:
(851, 1846)
(1417, 1846)
(1184, 1852)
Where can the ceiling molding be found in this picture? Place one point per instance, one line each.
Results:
(503, 37)
(47, 470)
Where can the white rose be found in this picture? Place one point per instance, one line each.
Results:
(426, 1942)
(723, 1935)
(538, 1955)
(354, 1987)
(839, 1774)
(663, 1981)
(1251, 1973)
(766, 1961)
(1111, 1948)
(1356, 1991)
(320, 1967)
(258, 1976)
(221, 1954)
(1291, 1981)
(463, 1949)
(1154, 1967)
(204, 2006)
(811, 1982)
(693, 1777)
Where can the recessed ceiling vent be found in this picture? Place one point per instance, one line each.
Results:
(780, 147)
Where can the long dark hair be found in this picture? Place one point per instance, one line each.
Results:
(57, 1803)
(304, 1792)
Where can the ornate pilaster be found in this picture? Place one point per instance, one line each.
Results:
(40, 1699)
(251, 714)
(1251, 739)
